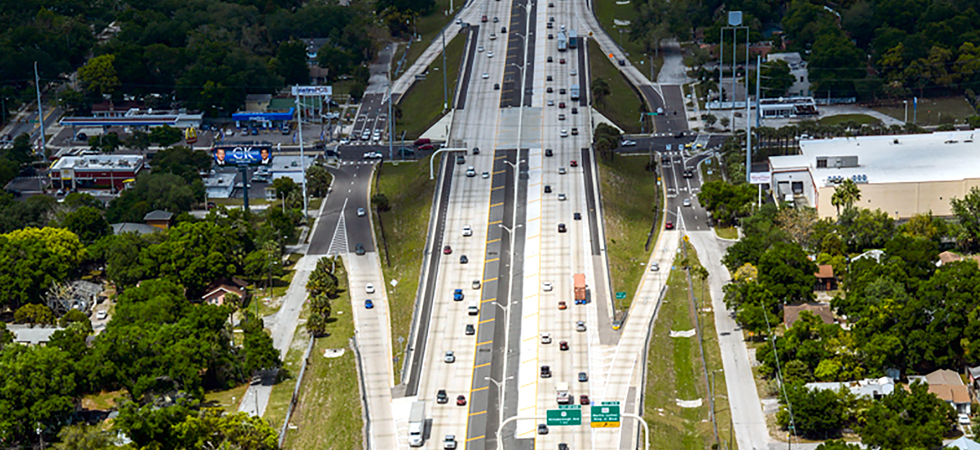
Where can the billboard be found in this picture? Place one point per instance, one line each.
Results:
(233, 155)
(313, 91)
(760, 177)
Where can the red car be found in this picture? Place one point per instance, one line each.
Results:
(669, 225)
(483, 19)
(461, 400)
(583, 400)
(426, 147)
(561, 305)
(574, 163)
(447, 250)
(561, 61)
(563, 345)
(561, 105)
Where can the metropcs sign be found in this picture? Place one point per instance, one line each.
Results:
(313, 91)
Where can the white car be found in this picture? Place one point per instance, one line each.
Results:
(493, 36)
(654, 267)
(470, 172)
(963, 419)
(369, 288)
(573, 72)
(450, 357)
(479, 49)
(687, 202)
(551, 103)
(563, 133)
(450, 442)
(545, 338)
(629, 143)
(561, 171)
(489, 54)
(546, 286)
(361, 212)
(486, 174)
(561, 197)
(101, 315)
(344, 141)
(467, 231)
(230, 132)
(486, 75)
(561, 117)
(459, 21)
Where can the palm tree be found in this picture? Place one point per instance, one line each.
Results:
(600, 89)
(845, 194)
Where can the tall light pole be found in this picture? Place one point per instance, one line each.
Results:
(40, 108)
(445, 83)
(302, 158)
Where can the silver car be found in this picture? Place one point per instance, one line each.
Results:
(580, 326)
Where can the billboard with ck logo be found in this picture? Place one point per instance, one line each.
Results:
(242, 155)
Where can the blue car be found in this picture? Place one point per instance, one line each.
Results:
(458, 295)
(368, 304)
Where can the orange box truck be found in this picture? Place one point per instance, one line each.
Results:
(579, 280)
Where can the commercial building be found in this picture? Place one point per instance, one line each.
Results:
(95, 171)
(797, 68)
(901, 175)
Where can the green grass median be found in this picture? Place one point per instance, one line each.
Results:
(401, 243)
(629, 199)
(622, 105)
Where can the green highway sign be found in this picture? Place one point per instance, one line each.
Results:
(564, 416)
(620, 295)
(605, 414)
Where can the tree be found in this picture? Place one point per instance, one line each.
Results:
(75, 316)
(726, 201)
(786, 271)
(106, 142)
(74, 102)
(165, 135)
(32, 259)
(139, 140)
(845, 194)
(213, 428)
(318, 180)
(36, 391)
(907, 420)
(798, 223)
(182, 161)
(290, 62)
(817, 413)
(600, 89)
(337, 61)
(88, 223)
(710, 119)
(153, 191)
(258, 349)
(85, 437)
(967, 211)
(148, 424)
(195, 254)
(380, 202)
(724, 121)
(837, 444)
(34, 314)
(98, 75)
(284, 187)
(776, 79)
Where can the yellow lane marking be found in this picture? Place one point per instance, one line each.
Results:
(481, 365)
(483, 343)
(480, 389)
(496, 204)
(492, 241)
(478, 413)
(492, 260)
(494, 223)
(498, 187)
(526, 385)
(490, 279)
(485, 321)
(478, 437)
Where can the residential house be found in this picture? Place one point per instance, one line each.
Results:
(964, 443)
(791, 313)
(826, 281)
(873, 388)
(160, 219)
(949, 386)
(32, 335)
(216, 292)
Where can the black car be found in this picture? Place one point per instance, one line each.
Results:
(476, 150)
(561, 228)
(549, 152)
(574, 110)
(470, 329)
(460, 160)
(622, 62)
(577, 216)
(542, 428)
(442, 397)
(496, 86)
(545, 372)
(547, 189)
(679, 135)
(359, 249)
(463, 259)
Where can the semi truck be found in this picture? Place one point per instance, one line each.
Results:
(561, 393)
(579, 281)
(561, 41)
(572, 39)
(416, 424)
(574, 90)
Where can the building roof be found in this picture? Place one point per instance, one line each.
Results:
(865, 388)
(99, 162)
(964, 443)
(944, 376)
(791, 313)
(290, 163)
(873, 254)
(24, 334)
(974, 372)
(825, 271)
(233, 285)
(951, 393)
(940, 156)
(948, 257)
(130, 227)
(158, 215)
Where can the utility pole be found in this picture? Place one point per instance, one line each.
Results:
(302, 158)
(445, 88)
(758, 91)
(40, 108)
(391, 123)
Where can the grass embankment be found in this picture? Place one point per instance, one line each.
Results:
(429, 27)
(328, 412)
(629, 199)
(622, 105)
(422, 105)
(406, 224)
(931, 111)
(676, 372)
(862, 119)
(606, 11)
